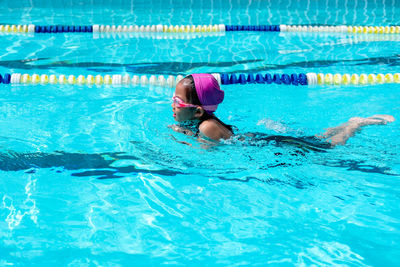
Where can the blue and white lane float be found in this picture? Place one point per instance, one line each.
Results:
(311, 79)
(97, 29)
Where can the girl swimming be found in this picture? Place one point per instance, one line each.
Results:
(195, 100)
(197, 97)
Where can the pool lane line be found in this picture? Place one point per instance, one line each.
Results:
(311, 79)
(96, 29)
(116, 79)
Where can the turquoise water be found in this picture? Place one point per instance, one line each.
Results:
(93, 175)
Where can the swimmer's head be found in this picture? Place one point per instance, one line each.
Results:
(203, 94)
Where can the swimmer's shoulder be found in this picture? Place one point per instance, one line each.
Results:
(214, 130)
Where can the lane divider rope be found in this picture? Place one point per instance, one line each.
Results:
(311, 79)
(96, 29)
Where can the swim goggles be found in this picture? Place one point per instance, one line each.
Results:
(176, 101)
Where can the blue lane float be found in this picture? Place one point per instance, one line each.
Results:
(262, 28)
(285, 79)
(62, 29)
(6, 79)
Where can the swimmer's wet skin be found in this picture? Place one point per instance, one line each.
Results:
(340, 134)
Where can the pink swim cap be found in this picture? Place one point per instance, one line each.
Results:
(208, 91)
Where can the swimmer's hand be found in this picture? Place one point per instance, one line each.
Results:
(206, 143)
(180, 142)
(180, 129)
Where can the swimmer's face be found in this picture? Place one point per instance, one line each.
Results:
(182, 114)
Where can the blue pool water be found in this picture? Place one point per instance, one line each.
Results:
(93, 175)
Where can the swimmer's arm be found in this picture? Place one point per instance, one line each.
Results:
(213, 131)
(180, 129)
(201, 139)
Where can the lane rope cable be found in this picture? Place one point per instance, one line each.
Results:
(99, 29)
(311, 79)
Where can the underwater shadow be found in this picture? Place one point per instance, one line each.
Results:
(91, 164)
(166, 68)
